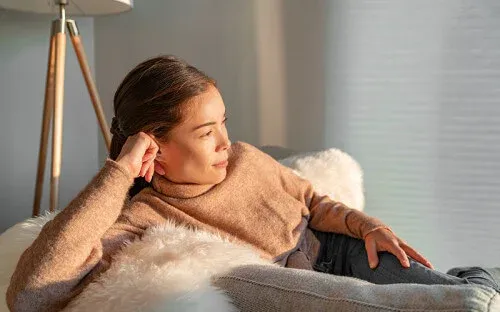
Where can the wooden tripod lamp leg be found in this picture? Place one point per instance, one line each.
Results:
(47, 117)
(94, 96)
(60, 46)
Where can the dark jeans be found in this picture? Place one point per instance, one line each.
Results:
(343, 255)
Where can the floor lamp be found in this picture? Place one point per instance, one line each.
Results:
(54, 85)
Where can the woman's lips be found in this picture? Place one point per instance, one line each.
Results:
(221, 164)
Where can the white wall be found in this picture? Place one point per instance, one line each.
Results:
(23, 62)
(412, 93)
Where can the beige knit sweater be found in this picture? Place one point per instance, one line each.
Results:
(260, 203)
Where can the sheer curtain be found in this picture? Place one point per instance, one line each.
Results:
(413, 93)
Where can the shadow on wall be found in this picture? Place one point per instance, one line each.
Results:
(290, 78)
(304, 25)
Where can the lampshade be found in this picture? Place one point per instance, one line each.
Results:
(74, 7)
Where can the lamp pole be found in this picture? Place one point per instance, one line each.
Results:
(53, 103)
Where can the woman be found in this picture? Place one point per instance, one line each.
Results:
(171, 159)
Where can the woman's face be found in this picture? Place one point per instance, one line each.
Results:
(197, 149)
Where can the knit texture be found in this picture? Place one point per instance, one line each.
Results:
(260, 203)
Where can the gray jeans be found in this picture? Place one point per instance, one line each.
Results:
(343, 255)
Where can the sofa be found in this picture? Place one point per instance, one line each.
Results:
(254, 286)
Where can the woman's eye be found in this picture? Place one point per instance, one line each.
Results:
(224, 121)
(207, 134)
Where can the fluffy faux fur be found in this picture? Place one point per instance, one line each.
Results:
(169, 269)
(333, 173)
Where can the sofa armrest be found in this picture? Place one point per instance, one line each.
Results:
(266, 288)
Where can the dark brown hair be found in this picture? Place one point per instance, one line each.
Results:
(152, 98)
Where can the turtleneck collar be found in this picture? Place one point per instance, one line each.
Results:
(178, 190)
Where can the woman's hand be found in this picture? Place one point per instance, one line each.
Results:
(385, 240)
(138, 155)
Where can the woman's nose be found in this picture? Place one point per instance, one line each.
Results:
(224, 145)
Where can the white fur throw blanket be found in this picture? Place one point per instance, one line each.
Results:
(170, 268)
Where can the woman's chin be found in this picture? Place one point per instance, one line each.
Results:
(219, 175)
(211, 176)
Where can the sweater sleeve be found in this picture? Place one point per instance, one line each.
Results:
(68, 252)
(327, 215)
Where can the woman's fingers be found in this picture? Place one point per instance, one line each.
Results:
(147, 170)
(400, 254)
(148, 156)
(144, 168)
(159, 168)
(371, 250)
(382, 240)
(150, 167)
(138, 153)
(416, 255)
(150, 152)
(150, 172)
